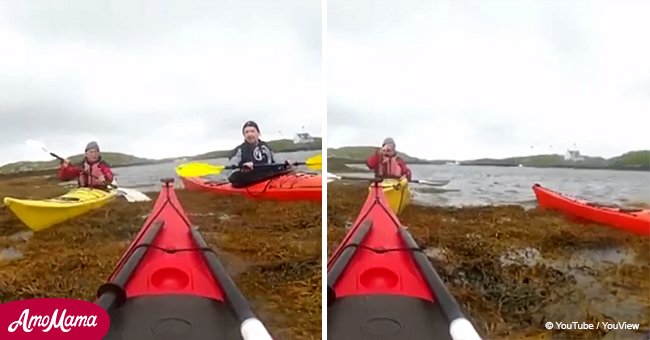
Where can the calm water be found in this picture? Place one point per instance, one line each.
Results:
(147, 177)
(481, 185)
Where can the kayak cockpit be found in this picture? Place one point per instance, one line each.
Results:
(167, 317)
(380, 284)
(394, 317)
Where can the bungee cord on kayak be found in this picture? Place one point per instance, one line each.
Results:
(379, 273)
(162, 283)
(293, 182)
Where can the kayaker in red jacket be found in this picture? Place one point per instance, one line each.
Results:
(93, 172)
(250, 153)
(386, 163)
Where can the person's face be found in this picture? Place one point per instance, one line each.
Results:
(250, 134)
(389, 148)
(92, 155)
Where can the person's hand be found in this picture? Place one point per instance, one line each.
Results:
(248, 166)
(66, 163)
(388, 151)
(288, 164)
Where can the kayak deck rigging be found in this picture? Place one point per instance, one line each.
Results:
(292, 186)
(170, 285)
(380, 284)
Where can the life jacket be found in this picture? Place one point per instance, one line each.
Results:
(391, 168)
(258, 154)
(91, 175)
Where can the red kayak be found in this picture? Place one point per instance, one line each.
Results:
(294, 186)
(632, 220)
(380, 285)
(170, 285)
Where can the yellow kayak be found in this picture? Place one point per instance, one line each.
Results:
(42, 214)
(397, 193)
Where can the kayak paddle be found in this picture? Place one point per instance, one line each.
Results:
(35, 144)
(197, 169)
(131, 195)
(332, 177)
(439, 183)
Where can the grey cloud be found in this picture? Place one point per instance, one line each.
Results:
(57, 100)
(550, 63)
(125, 23)
(29, 108)
(365, 18)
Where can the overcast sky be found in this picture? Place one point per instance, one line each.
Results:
(470, 79)
(156, 78)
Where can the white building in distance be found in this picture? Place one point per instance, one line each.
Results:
(302, 138)
(573, 155)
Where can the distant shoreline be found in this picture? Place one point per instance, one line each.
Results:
(512, 166)
(120, 160)
(629, 161)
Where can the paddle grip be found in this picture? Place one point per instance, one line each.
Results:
(112, 294)
(253, 329)
(57, 157)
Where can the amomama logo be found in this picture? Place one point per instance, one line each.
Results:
(52, 318)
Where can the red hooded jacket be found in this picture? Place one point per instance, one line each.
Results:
(71, 172)
(375, 160)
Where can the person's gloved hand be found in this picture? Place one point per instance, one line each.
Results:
(246, 167)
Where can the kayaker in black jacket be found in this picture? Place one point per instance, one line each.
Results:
(250, 153)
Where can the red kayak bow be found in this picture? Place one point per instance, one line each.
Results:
(170, 285)
(382, 286)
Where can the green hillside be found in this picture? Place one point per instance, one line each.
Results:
(633, 160)
(116, 159)
(335, 164)
(280, 145)
(359, 154)
(540, 161)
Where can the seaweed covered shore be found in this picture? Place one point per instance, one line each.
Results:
(272, 250)
(514, 269)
